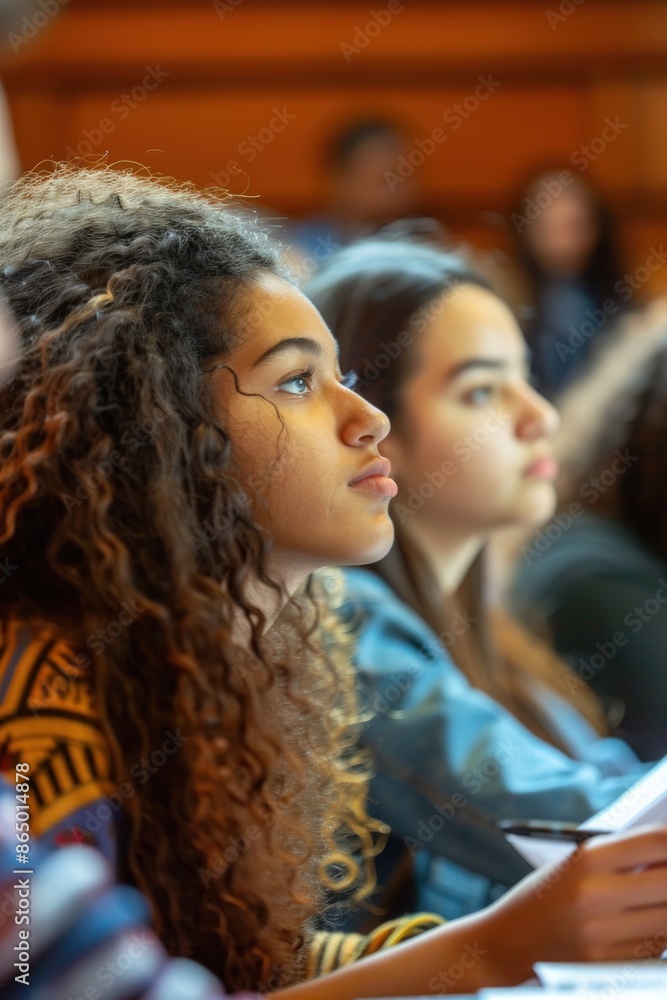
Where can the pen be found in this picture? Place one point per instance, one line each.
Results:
(549, 830)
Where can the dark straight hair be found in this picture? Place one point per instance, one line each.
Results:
(377, 296)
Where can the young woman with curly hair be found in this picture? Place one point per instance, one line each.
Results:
(180, 454)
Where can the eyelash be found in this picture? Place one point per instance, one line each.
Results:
(491, 388)
(349, 380)
(306, 375)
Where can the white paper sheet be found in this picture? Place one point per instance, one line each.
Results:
(644, 802)
(538, 993)
(621, 976)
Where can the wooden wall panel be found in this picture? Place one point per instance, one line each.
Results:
(618, 168)
(198, 135)
(437, 38)
(652, 141)
(558, 86)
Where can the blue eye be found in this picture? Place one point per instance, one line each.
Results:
(300, 383)
(479, 395)
(350, 380)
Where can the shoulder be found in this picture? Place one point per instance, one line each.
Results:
(49, 721)
(376, 600)
(363, 586)
(383, 621)
(572, 550)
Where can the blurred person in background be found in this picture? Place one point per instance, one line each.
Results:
(12, 13)
(8, 344)
(472, 719)
(568, 254)
(83, 936)
(17, 29)
(9, 161)
(358, 160)
(594, 580)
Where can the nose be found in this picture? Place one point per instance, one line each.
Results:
(537, 416)
(363, 423)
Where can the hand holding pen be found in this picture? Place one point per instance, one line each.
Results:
(549, 830)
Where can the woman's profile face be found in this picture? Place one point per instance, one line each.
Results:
(301, 439)
(471, 447)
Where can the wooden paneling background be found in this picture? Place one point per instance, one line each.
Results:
(228, 65)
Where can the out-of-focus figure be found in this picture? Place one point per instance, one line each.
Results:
(361, 162)
(568, 254)
(14, 15)
(595, 578)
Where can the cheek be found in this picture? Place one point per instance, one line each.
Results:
(477, 478)
(301, 480)
(428, 441)
(476, 462)
(263, 462)
(468, 445)
(489, 482)
(270, 449)
(488, 450)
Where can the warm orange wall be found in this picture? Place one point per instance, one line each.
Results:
(227, 75)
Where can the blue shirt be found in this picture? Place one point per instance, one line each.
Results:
(449, 761)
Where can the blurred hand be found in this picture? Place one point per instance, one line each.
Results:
(88, 938)
(606, 902)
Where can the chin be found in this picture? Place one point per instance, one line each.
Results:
(538, 514)
(366, 553)
(541, 505)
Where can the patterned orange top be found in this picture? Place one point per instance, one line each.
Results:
(48, 719)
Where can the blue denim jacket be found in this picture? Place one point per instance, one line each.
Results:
(449, 761)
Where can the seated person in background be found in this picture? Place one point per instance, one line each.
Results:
(180, 455)
(594, 580)
(13, 17)
(357, 161)
(576, 290)
(473, 720)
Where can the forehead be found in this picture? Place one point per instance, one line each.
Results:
(274, 310)
(471, 322)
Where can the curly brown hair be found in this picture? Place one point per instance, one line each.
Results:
(117, 485)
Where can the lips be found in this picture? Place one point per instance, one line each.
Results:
(375, 479)
(544, 468)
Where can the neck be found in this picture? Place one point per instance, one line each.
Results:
(448, 554)
(288, 575)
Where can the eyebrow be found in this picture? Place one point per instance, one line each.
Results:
(307, 344)
(495, 364)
